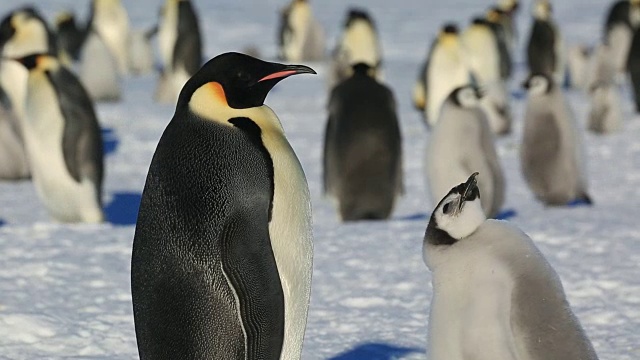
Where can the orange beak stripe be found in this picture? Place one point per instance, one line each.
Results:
(279, 74)
(218, 92)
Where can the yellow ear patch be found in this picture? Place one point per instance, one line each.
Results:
(217, 92)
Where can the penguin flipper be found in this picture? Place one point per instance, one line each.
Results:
(249, 265)
(81, 139)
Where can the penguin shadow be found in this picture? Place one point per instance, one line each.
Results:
(376, 351)
(109, 141)
(2, 223)
(123, 208)
(506, 214)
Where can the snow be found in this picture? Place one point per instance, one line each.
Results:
(65, 289)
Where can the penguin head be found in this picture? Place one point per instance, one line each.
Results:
(457, 215)
(365, 69)
(494, 15)
(467, 96)
(24, 26)
(538, 84)
(542, 10)
(508, 5)
(356, 14)
(237, 80)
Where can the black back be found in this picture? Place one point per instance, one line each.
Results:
(541, 56)
(204, 219)
(81, 139)
(188, 47)
(70, 37)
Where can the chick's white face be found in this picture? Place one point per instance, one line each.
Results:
(459, 221)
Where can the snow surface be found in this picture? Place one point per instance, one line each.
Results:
(64, 289)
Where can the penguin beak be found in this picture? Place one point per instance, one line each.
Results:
(469, 186)
(287, 71)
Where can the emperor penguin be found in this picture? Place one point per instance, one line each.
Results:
(300, 35)
(63, 142)
(109, 20)
(621, 21)
(222, 253)
(462, 142)
(494, 294)
(69, 37)
(104, 85)
(358, 43)
(141, 56)
(494, 18)
(13, 157)
(445, 69)
(633, 67)
(363, 147)
(483, 56)
(180, 45)
(24, 31)
(605, 114)
(545, 49)
(508, 11)
(552, 154)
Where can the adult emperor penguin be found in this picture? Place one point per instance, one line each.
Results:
(495, 19)
(508, 11)
(622, 19)
(461, 142)
(445, 69)
(363, 148)
(104, 85)
(483, 56)
(63, 141)
(545, 49)
(494, 293)
(300, 35)
(222, 254)
(180, 48)
(358, 44)
(24, 31)
(551, 153)
(109, 20)
(13, 156)
(141, 56)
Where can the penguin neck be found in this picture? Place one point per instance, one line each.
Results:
(209, 102)
(360, 41)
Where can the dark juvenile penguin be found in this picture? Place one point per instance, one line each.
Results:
(545, 49)
(180, 46)
(63, 141)
(222, 254)
(552, 153)
(363, 150)
(495, 296)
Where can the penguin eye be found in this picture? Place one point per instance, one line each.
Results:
(446, 208)
(243, 76)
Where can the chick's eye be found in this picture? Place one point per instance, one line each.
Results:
(446, 208)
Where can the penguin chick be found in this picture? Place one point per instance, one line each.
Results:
(494, 294)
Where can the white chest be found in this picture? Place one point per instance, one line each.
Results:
(168, 32)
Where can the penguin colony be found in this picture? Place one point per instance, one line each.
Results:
(222, 255)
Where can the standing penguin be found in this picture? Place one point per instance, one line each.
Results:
(483, 56)
(141, 56)
(180, 48)
(69, 37)
(551, 154)
(545, 50)
(300, 35)
(495, 20)
(23, 32)
(363, 149)
(494, 293)
(358, 44)
(104, 85)
(109, 20)
(63, 141)
(461, 142)
(444, 70)
(605, 113)
(620, 24)
(222, 254)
